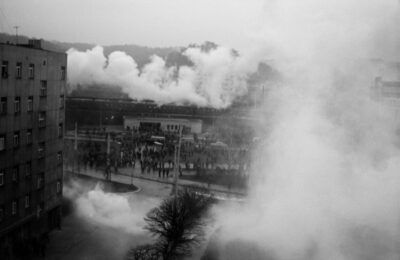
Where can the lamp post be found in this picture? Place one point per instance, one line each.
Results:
(75, 158)
(132, 178)
(177, 161)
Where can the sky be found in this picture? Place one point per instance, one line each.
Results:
(144, 22)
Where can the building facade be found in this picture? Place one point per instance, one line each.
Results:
(193, 126)
(103, 112)
(32, 91)
(388, 94)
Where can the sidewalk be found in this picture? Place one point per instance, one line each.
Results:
(127, 175)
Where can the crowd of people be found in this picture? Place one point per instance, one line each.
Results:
(154, 153)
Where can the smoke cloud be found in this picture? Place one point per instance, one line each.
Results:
(117, 210)
(325, 183)
(216, 78)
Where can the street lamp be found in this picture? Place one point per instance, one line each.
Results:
(177, 161)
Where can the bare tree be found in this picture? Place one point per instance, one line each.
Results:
(144, 252)
(178, 223)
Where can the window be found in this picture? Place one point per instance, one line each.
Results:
(62, 73)
(1, 178)
(2, 142)
(62, 101)
(1, 213)
(43, 88)
(42, 119)
(15, 174)
(60, 130)
(40, 180)
(30, 104)
(14, 207)
(18, 70)
(4, 69)
(29, 136)
(31, 71)
(16, 139)
(41, 149)
(3, 105)
(17, 105)
(59, 157)
(27, 201)
(58, 186)
(28, 169)
(39, 209)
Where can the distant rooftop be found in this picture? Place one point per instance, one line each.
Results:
(36, 44)
(161, 119)
(392, 84)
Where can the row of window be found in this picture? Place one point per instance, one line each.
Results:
(27, 167)
(28, 138)
(31, 70)
(27, 203)
(172, 127)
(15, 173)
(14, 206)
(17, 104)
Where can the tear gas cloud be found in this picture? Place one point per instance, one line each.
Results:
(117, 210)
(216, 78)
(325, 182)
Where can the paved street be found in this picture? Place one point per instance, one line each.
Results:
(81, 238)
(129, 175)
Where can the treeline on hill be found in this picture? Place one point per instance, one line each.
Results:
(142, 54)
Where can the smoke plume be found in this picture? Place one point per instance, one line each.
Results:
(216, 78)
(325, 183)
(121, 211)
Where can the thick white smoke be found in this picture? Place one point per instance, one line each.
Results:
(121, 211)
(216, 78)
(326, 182)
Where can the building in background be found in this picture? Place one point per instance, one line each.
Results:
(102, 112)
(193, 126)
(388, 94)
(32, 91)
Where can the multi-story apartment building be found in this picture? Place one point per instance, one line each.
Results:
(32, 90)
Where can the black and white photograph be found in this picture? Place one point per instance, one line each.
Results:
(200, 129)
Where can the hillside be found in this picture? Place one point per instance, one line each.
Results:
(141, 54)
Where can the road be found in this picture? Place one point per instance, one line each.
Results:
(127, 175)
(102, 226)
(82, 237)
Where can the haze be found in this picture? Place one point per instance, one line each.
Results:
(144, 22)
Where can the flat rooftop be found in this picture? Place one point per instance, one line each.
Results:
(161, 119)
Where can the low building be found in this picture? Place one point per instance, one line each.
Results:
(193, 126)
(388, 94)
(101, 112)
